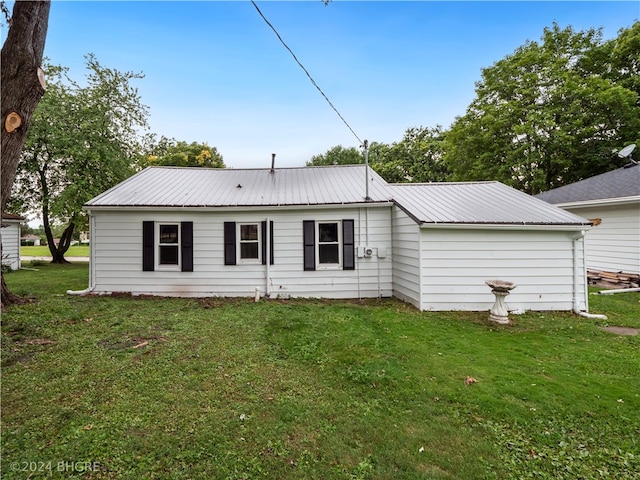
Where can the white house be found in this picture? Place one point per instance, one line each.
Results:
(333, 232)
(612, 201)
(10, 233)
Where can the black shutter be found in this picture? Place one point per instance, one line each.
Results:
(148, 246)
(309, 227)
(264, 242)
(186, 246)
(229, 243)
(348, 250)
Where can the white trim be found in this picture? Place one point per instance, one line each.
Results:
(157, 245)
(328, 266)
(248, 261)
(506, 226)
(600, 201)
(247, 208)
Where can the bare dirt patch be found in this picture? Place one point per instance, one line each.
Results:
(622, 330)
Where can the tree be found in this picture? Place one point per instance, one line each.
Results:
(169, 152)
(540, 119)
(22, 89)
(618, 60)
(83, 141)
(418, 157)
(337, 155)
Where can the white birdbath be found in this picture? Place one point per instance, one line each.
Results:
(500, 289)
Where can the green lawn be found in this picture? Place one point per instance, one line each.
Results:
(43, 251)
(230, 389)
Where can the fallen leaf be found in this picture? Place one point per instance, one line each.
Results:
(140, 345)
(469, 380)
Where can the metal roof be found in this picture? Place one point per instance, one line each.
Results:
(619, 183)
(204, 187)
(448, 203)
(477, 203)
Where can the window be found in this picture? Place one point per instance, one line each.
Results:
(167, 246)
(328, 245)
(247, 243)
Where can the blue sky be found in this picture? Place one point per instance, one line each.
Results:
(216, 73)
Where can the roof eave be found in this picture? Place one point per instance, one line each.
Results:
(599, 202)
(506, 226)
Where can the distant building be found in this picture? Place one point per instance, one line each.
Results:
(612, 202)
(10, 233)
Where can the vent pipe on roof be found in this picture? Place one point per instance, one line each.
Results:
(365, 144)
(273, 162)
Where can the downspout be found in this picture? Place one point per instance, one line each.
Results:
(576, 276)
(267, 292)
(92, 285)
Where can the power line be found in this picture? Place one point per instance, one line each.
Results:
(305, 71)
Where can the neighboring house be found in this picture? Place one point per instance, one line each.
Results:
(311, 232)
(30, 239)
(612, 202)
(10, 233)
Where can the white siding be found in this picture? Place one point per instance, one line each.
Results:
(614, 245)
(11, 244)
(406, 255)
(117, 256)
(456, 263)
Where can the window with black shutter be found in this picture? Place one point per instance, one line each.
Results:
(328, 245)
(167, 246)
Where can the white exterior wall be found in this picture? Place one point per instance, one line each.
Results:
(117, 255)
(11, 244)
(456, 263)
(406, 258)
(614, 245)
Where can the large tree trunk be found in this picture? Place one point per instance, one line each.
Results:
(22, 88)
(63, 245)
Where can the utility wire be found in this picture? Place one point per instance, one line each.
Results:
(305, 71)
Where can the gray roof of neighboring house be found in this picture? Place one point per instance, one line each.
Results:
(454, 203)
(204, 187)
(619, 183)
(477, 203)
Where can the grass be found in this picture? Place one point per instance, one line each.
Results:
(230, 389)
(43, 251)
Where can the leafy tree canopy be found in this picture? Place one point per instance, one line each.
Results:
(169, 152)
(82, 141)
(547, 115)
(338, 155)
(418, 157)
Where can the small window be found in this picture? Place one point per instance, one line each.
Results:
(328, 245)
(168, 244)
(249, 242)
(329, 238)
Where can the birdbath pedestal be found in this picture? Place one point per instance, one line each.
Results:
(500, 288)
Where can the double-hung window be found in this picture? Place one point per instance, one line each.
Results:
(249, 242)
(329, 236)
(167, 246)
(328, 245)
